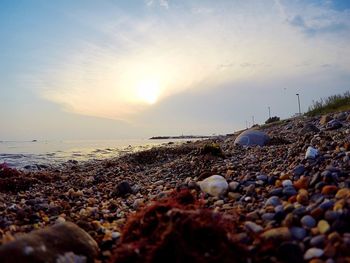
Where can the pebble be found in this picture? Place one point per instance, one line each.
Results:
(311, 153)
(313, 253)
(298, 233)
(299, 170)
(287, 183)
(308, 221)
(342, 193)
(278, 234)
(329, 189)
(323, 226)
(273, 200)
(253, 227)
(233, 186)
(289, 191)
(214, 185)
(317, 241)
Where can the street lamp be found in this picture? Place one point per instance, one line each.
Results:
(298, 103)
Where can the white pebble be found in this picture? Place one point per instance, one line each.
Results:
(214, 185)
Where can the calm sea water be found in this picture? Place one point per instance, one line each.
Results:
(36, 155)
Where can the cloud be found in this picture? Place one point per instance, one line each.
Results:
(312, 30)
(183, 52)
(161, 3)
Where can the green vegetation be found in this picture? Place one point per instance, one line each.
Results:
(331, 104)
(272, 119)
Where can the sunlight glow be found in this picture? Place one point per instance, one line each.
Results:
(148, 91)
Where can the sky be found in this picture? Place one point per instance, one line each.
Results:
(115, 69)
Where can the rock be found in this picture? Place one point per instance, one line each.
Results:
(334, 124)
(123, 189)
(298, 233)
(325, 119)
(252, 138)
(289, 191)
(317, 241)
(323, 226)
(343, 193)
(311, 153)
(276, 234)
(50, 244)
(299, 170)
(308, 221)
(309, 127)
(273, 200)
(214, 185)
(287, 183)
(252, 227)
(341, 116)
(329, 189)
(313, 253)
(233, 186)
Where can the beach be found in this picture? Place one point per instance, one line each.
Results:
(284, 207)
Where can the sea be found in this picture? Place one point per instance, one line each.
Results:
(38, 155)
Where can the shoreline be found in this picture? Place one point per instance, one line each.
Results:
(273, 189)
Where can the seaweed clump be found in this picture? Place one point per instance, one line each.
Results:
(12, 180)
(213, 149)
(177, 229)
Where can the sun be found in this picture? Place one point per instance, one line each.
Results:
(148, 91)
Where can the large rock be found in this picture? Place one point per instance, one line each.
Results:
(251, 138)
(64, 241)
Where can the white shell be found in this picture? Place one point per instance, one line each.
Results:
(214, 185)
(311, 153)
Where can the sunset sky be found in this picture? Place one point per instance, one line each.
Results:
(133, 69)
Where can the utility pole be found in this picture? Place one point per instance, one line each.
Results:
(253, 120)
(299, 103)
(269, 112)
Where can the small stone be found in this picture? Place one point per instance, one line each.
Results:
(123, 189)
(298, 233)
(252, 227)
(323, 226)
(115, 235)
(287, 183)
(302, 183)
(343, 193)
(273, 200)
(214, 185)
(329, 189)
(325, 119)
(289, 191)
(308, 221)
(318, 241)
(268, 216)
(299, 170)
(137, 203)
(234, 196)
(313, 253)
(311, 153)
(219, 203)
(302, 197)
(276, 234)
(233, 186)
(276, 192)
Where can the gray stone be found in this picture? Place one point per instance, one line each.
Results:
(308, 221)
(273, 200)
(299, 170)
(317, 241)
(252, 227)
(298, 232)
(289, 191)
(252, 138)
(313, 253)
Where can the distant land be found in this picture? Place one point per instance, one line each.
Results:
(181, 137)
